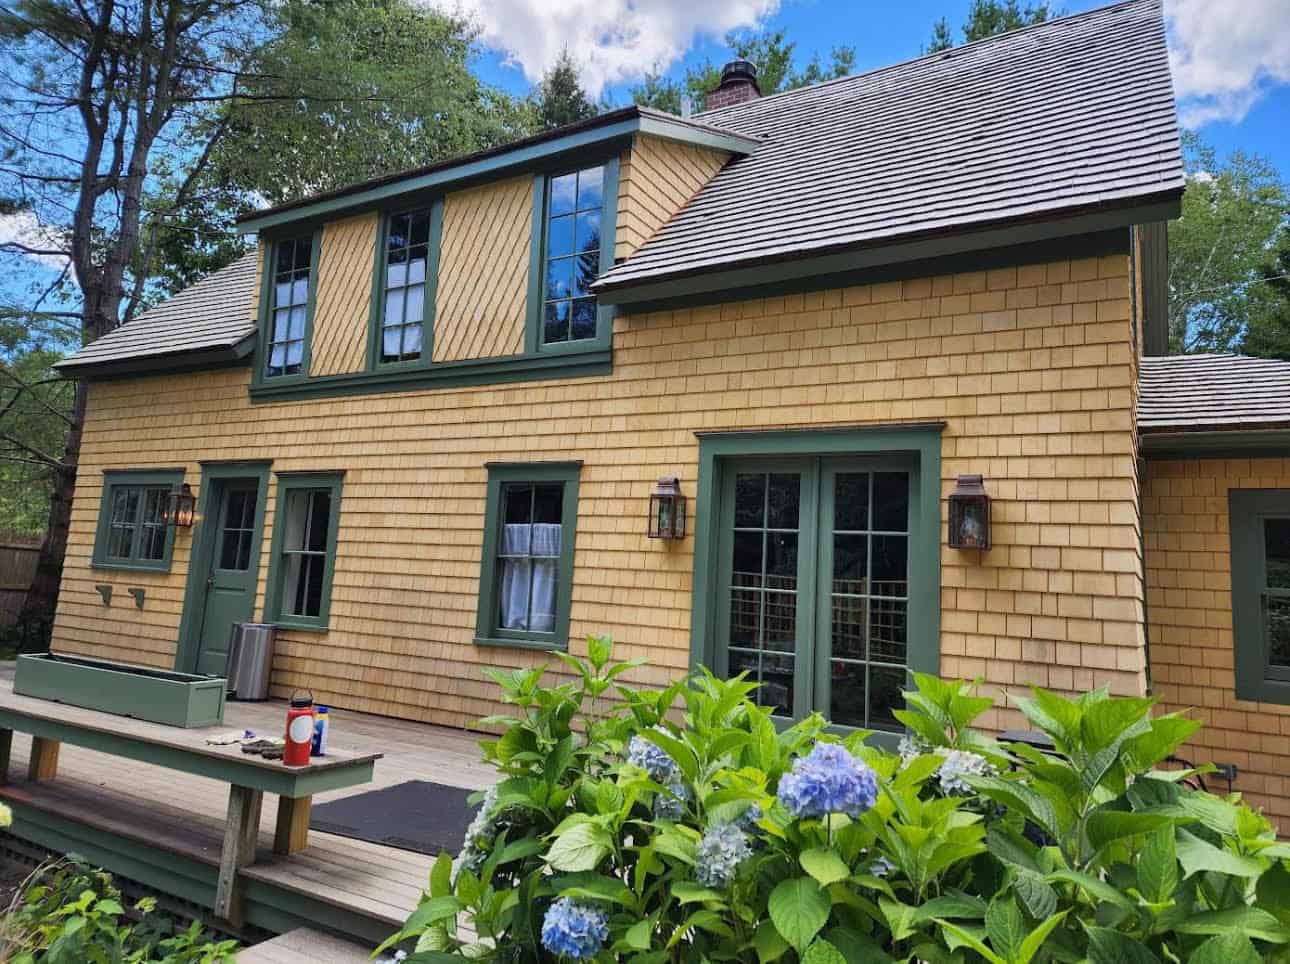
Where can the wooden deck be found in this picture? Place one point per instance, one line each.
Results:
(165, 829)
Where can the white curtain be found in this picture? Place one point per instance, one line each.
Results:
(528, 579)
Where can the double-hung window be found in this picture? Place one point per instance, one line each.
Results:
(574, 211)
(403, 304)
(304, 550)
(527, 562)
(289, 307)
(132, 531)
(1260, 524)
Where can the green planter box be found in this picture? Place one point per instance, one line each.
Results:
(141, 692)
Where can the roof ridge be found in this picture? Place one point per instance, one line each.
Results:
(934, 55)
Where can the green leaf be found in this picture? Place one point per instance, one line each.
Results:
(1158, 866)
(953, 906)
(1039, 898)
(1094, 886)
(1106, 946)
(109, 906)
(824, 865)
(822, 952)
(441, 875)
(1107, 826)
(580, 847)
(1005, 926)
(681, 754)
(799, 907)
(967, 939)
(1226, 949)
(688, 892)
(1251, 921)
(770, 946)
(901, 918)
(431, 912)
(1198, 855)
(638, 935)
(1035, 939)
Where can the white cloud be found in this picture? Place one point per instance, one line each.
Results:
(23, 228)
(1226, 54)
(613, 40)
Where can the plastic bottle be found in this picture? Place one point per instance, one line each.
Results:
(321, 723)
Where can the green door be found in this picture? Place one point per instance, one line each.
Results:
(815, 593)
(229, 587)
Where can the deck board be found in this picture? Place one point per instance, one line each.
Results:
(182, 815)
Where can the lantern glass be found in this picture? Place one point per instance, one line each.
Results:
(969, 523)
(667, 510)
(180, 506)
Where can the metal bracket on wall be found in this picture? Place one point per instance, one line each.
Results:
(105, 591)
(138, 595)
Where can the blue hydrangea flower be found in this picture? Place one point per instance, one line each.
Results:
(717, 858)
(653, 760)
(575, 930)
(479, 836)
(959, 764)
(747, 821)
(910, 747)
(881, 867)
(828, 780)
(671, 806)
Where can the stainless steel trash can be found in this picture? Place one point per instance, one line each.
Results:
(250, 660)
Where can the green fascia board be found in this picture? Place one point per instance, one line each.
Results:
(143, 693)
(920, 438)
(169, 363)
(488, 371)
(1240, 443)
(238, 770)
(608, 132)
(1248, 508)
(287, 482)
(745, 280)
(112, 479)
(487, 632)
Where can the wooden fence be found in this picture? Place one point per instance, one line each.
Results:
(17, 569)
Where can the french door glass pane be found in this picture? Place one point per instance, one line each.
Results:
(764, 584)
(1276, 543)
(868, 601)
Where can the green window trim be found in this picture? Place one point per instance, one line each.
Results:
(145, 479)
(500, 474)
(376, 314)
(719, 452)
(265, 332)
(1257, 678)
(287, 483)
(537, 261)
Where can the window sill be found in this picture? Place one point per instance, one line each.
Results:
(475, 371)
(299, 625)
(161, 568)
(543, 645)
(1264, 691)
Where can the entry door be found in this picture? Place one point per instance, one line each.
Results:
(230, 582)
(815, 587)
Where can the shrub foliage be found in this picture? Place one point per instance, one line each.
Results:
(685, 825)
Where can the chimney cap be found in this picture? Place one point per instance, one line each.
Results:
(740, 71)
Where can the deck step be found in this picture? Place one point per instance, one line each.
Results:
(305, 946)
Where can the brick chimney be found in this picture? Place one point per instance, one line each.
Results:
(738, 84)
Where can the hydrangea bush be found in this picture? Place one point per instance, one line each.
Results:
(685, 825)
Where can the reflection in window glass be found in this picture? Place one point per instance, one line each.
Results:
(575, 203)
(289, 303)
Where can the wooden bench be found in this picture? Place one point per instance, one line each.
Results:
(249, 776)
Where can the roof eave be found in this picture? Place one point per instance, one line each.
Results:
(608, 131)
(161, 364)
(666, 288)
(1240, 440)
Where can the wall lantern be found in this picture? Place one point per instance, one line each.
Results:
(179, 506)
(667, 510)
(969, 514)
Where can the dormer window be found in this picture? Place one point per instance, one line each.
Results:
(407, 246)
(289, 311)
(574, 204)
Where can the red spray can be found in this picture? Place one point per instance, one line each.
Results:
(300, 731)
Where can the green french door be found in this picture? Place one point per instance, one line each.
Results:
(814, 584)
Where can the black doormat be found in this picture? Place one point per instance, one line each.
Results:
(418, 815)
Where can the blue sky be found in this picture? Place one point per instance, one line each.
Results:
(1235, 36)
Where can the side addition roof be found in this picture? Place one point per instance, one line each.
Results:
(1072, 116)
(210, 322)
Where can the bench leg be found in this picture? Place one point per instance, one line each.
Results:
(292, 835)
(44, 759)
(240, 835)
(6, 750)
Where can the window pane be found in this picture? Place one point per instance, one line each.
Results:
(849, 627)
(586, 267)
(851, 501)
(555, 322)
(296, 324)
(417, 266)
(750, 500)
(889, 565)
(300, 288)
(781, 560)
(412, 341)
(396, 272)
(779, 626)
(559, 279)
(420, 227)
(745, 618)
(783, 501)
(120, 541)
(1276, 543)
(394, 306)
(281, 324)
(295, 355)
(559, 237)
(517, 504)
(777, 683)
(847, 699)
(747, 565)
(587, 234)
(1277, 628)
(277, 359)
(548, 503)
(888, 630)
(391, 342)
(286, 254)
(584, 319)
(891, 501)
(319, 520)
(125, 505)
(850, 564)
(563, 194)
(885, 686)
(413, 306)
(231, 549)
(282, 294)
(590, 188)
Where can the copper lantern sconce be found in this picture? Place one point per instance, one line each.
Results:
(180, 506)
(969, 514)
(667, 510)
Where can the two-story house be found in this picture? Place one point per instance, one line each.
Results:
(424, 419)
